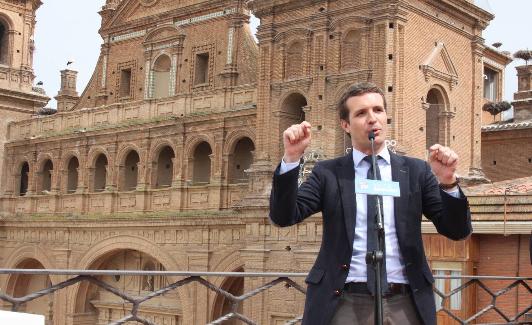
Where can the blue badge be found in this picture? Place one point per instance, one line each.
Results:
(373, 187)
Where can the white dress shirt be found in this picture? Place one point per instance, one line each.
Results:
(395, 267)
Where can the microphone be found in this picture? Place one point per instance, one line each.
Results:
(371, 136)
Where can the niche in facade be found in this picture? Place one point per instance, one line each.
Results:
(4, 43)
(165, 168)
(72, 176)
(240, 160)
(434, 122)
(24, 171)
(130, 173)
(292, 110)
(161, 77)
(202, 69)
(202, 164)
(46, 176)
(223, 305)
(352, 51)
(294, 60)
(100, 173)
(125, 83)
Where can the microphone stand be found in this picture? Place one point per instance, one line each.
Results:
(376, 257)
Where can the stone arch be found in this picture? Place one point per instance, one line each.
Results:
(294, 59)
(42, 158)
(129, 174)
(127, 242)
(124, 150)
(159, 145)
(351, 57)
(191, 144)
(98, 167)
(94, 153)
(21, 174)
(67, 156)
(233, 137)
(72, 174)
(161, 72)
(20, 285)
(436, 117)
(202, 163)
(291, 108)
(31, 252)
(230, 262)
(6, 25)
(22, 257)
(164, 167)
(97, 255)
(240, 158)
(45, 173)
(163, 33)
(154, 156)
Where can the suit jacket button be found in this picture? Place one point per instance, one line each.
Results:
(337, 292)
(345, 267)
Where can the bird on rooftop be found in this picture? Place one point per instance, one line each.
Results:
(40, 83)
(69, 62)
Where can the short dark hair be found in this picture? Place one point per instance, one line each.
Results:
(357, 90)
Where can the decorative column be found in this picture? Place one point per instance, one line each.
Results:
(198, 261)
(141, 178)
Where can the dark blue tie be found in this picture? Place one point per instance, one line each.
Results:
(372, 233)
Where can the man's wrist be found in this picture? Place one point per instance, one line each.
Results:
(291, 160)
(449, 185)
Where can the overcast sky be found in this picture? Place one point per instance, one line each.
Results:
(68, 30)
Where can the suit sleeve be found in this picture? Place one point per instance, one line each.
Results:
(288, 203)
(449, 214)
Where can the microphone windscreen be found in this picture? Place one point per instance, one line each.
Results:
(371, 135)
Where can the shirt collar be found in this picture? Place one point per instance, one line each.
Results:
(358, 156)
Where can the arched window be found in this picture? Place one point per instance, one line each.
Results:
(165, 168)
(161, 77)
(130, 173)
(291, 112)
(46, 176)
(24, 171)
(294, 60)
(434, 122)
(201, 173)
(72, 175)
(240, 160)
(4, 43)
(100, 173)
(222, 305)
(351, 51)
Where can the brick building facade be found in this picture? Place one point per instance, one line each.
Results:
(164, 161)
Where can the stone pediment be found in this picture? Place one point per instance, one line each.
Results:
(439, 65)
(134, 10)
(163, 34)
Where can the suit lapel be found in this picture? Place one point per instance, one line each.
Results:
(345, 173)
(400, 173)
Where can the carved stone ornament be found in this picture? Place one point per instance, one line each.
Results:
(148, 3)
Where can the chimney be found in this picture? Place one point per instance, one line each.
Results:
(523, 97)
(67, 96)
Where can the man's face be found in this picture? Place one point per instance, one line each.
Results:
(366, 113)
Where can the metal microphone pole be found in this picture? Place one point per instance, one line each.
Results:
(376, 257)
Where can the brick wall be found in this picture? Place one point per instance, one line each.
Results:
(504, 256)
(507, 154)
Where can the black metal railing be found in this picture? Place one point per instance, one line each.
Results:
(91, 276)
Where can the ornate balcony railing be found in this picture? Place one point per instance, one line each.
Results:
(270, 280)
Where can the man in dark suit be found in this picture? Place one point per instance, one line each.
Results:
(339, 287)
